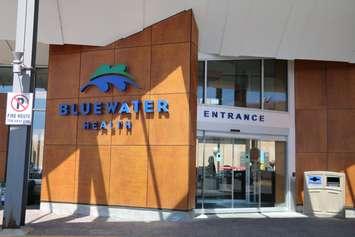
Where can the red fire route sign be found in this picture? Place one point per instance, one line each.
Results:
(19, 108)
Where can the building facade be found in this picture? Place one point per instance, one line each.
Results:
(190, 131)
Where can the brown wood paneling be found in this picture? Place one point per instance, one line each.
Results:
(138, 135)
(90, 61)
(143, 38)
(340, 85)
(64, 49)
(307, 162)
(170, 70)
(173, 29)
(310, 84)
(138, 61)
(345, 162)
(4, 130)
(60, 129)
(171, 128)
(2, 165)
(63, 76)
(168, 184)
(311, 132)
(124, 168)
(280, 171)
(3, 100)
(128, 186)
(58, 174)
(194, 31)
(93, 172)
(90, 136)
(341, 130)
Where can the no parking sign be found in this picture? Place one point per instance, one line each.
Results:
(19, 108)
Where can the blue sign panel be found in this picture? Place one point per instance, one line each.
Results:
(314, 179)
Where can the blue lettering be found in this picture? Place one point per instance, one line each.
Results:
(222, 113)
(246, 116)
(124, 108)
(112, 107)
(95, 125)
(206, 113)
(262, 118)
(63, 109)
(230, 115)
(74, 109)
(86, 125)
(103, 125)
(254, 117)
(238, 116)
(128, 125)
(119, 124)
(135, 104)
(97, 108)
(163, 106)
(149, 106)
(214, 114)
(85, 108)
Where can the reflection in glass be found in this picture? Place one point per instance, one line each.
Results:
(201, 82)
(234, 83)
(5, 79)
(237, 173)
(275, 84)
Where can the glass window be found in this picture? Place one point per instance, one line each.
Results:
(234, 83)
(201, 82)
(275, 84)
(5, 79)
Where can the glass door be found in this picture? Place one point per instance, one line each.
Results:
(240, 172)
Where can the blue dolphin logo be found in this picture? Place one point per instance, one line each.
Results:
(107, 75)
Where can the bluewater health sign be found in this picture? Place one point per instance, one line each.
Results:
(19, 108)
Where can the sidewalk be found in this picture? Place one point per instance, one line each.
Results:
(253, 224)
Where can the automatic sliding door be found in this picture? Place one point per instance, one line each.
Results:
(240, 173)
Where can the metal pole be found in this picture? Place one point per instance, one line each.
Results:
(19, 136)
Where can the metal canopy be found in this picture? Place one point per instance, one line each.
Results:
(287, 29)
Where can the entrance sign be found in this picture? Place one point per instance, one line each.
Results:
(19, 108)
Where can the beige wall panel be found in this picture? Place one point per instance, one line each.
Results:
(311, 132)
(307, 162)
(170, 69)
(173, 29)
(341, 131)
(60, 129)
(90, 61)
(345, 162)
(310, 85)
(143, 38)
(171, 128)
(168, 185)
(63, 78)
(138, 62)
(139, 133)
(93, 172)
(128, 186)
(94, 137)
(58, 174)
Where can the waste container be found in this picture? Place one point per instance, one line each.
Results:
(324, 193)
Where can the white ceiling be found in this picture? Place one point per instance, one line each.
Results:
(288, 29)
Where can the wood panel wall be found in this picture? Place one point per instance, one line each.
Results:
(154, 165)
(3, 136)
(325, 117)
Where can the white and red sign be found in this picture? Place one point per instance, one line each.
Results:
(19, 108)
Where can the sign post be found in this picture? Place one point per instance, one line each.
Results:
(19, 110)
